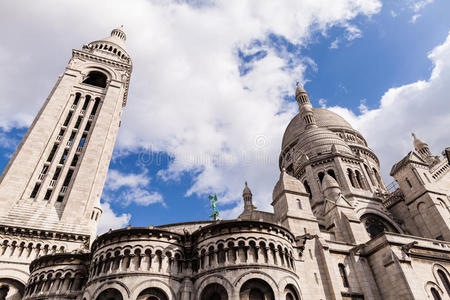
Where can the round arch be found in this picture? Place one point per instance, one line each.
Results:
(289, 282)
(256, 289)
(241, 280)
(152, 293)
(215, 279)
(375, 223)
(110, 294)
(116, 285)
(153, 283)
(214, 291)
(11, 288)
(89, 67)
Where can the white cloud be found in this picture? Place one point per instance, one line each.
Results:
(127, 188)
(414, 18)
(421, 107)
(109, 219)
(416, 6)
(187, 97)
(334, 44)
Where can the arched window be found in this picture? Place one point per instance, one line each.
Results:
(375, 225)
(307, 188)
(214, 291)
(435, 294)
(368, 173)
(359, 179)
(343, 274)
(321, 176)
(110, 294)
(444, 280)
(256, 289)
(152, 294)
(331, 173)
(350, 177)
(96, 78)
(291, 293)
(378, 177)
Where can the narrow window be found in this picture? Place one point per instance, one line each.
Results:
(35, 190)
(77, 98)
(68, 177)
(88, 126)
(44, 170)
(435, 294)
(444, 280)
(69, 116)
(64, 156)
(308, 189)
(82, 141)
(343, 275)
(52, 153)
(56, 175)
(86, 102)
(72, 137)
(368, 173)
(350, 177)
(77, 124)
(321, 176)
(359, 179)
(60, 198)
(331, 173)
(299, 204)
(48, 194)
(61, 132)
(74, 161)
(92, 216)
(96, 104)
(96, 217)
(96, 78)
(408, 182)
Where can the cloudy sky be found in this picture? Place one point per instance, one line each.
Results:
(213, 88)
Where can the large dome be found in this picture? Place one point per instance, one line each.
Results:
(324, 118)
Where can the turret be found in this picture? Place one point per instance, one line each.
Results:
(305, 107)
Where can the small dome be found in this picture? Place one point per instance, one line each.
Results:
(418, 143)
(329, 182)
(117, 37)
(287, 183)
(324, 118)
(300, 90)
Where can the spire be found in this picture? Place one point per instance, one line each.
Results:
(247, 195)
(305, 107)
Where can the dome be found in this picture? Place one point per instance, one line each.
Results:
(329, 182)
(314, 141)
(324, 119)
(418, 143)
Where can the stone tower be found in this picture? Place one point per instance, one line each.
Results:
(50, 190)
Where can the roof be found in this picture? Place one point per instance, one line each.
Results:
(411, 157)
(287, 183)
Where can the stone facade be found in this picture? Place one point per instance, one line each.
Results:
(337, 232)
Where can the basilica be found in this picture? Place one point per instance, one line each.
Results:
(337, 232)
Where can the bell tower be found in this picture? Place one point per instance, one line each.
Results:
(50, 190)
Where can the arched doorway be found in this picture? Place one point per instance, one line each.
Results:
(110, 294)
(152, 294)
(214, 291)
(256, 289)
(96, 78)
(11, 289)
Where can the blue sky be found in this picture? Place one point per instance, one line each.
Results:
(208, 104)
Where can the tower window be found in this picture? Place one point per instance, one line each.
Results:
(299, 204)
(61, 132)
(52, 153)
(343, 275)
(88, 126)
(48, 194)
(96, 78)
(56, 175)
(408, 182)
(77, 124)
(35, 190)
(44, 170)
(331, 173)
(72, 137)
(96, 104)
(350, 177)
(64, 156)
(77, 98)
(68, 177)
(86, 102)
(435, 294)
(74, 161)
(308, 189)
(82, 141)
(69, 116)
(359, 179)
(321, 176)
